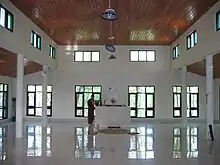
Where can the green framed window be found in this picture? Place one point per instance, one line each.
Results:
(141, 100)
(82, 95)
(6, 18)
(35, 40)
(3, 101)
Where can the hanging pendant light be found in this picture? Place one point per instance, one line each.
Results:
(109, 15)
(110, 48)
(112, 57)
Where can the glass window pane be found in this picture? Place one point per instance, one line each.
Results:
(96, 89)
(141, 101)
(151, 56)
(179, 89)
(2, 17)
(132, 113)
(49, 96)
(149, 131)
(1, 87)
(78, 56)
(87, 56)
(88, 88)
(194, 113)
(97, 97)
(177, 113)
(177, 100)
(31, 111)
(149, 89)
(49, 88)
(38, 42)
(31, 88)
(150, 113)
(134, 55)
(195, 38)
(141, 113)
(192, 40)
(10, 22)
(31, 99)
(38, 111)
(48, 112)
(87, 96)
(142, 55)
(218, 21)
(38, 99)
(132, 100)
(141, 89)
(35, 40)
(194, 89)
(79, 112)
(132, 89)
(188, 42)
(39, 88)
(79, 100)
(79, 88)
(85, 112)
(150, 101)
(95, 56)
(5, 87)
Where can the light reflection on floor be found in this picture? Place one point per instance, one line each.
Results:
(154, 143)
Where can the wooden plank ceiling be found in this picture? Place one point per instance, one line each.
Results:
(157, 22)
(8, 64)
(200, 67)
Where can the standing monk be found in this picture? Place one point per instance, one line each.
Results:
(91, 109)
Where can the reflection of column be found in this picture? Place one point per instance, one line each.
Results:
(184, 95)
(19, 151)
(184, 142)
(209, 93)
(44, 141)
(19, 95)
(44, 95)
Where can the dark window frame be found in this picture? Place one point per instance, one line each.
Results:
(52, 51)
(148, 50)
(34, 107)
(177, 108)
(7, 13)
(5, 93)
(136, 97)
(83, 102)
(83, 51)
(217, 21)
(38, 37)
(175, 52)
(190, 106)
(194, 33)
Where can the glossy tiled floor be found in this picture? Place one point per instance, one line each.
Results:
(66, 144)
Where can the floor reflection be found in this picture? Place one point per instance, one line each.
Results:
(36, 142)
(192, 142)
(142, 145)
(176, 143)
(3, 143)
(85, 144)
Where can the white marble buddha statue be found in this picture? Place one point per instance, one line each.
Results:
(112, 96)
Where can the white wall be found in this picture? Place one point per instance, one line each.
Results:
(208, 40)
(9, 81)
(19, 41)
(119, 72)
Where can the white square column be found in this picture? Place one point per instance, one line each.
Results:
(209, 94)
(44, 95)
(19, 95)
(184, 95)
